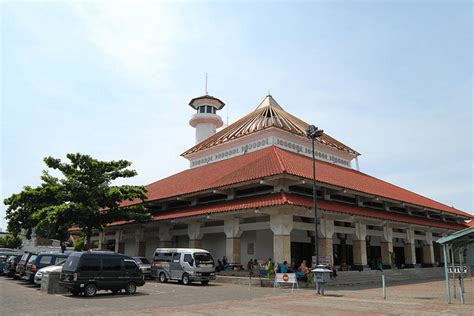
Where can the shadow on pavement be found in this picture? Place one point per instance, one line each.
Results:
(388, 283)
(105, 295)
(334, 295)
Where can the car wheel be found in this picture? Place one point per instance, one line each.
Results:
(204, 282)
(162, 277)
(90, 290)
(75, 293)
(185, 279)
(131, 288)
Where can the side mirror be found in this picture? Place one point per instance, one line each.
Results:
(191, 263)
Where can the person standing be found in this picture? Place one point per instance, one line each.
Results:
(269, 268)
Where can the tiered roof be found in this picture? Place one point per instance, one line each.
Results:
(268, 114)
(278, 199)
(275, 161)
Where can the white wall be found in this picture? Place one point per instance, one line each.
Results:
(130, 247)
(215, 244)
(182, 241)
(263, 245)
(151, 245)
(300, 236)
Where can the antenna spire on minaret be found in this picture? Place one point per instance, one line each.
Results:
(206, 85)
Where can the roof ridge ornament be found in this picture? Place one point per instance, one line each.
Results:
(269, 101)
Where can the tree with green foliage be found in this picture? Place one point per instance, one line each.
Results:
(10, 241)
(28, 210)
(84, 197)
(79, 244)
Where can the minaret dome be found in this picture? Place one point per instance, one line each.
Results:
(206, 121)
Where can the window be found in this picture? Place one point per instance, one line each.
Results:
(90, 264)
(203, 259)
(202, 109)
(163, 256)
(45, 259)
(130, 265)
(112, 264)
(250, 248)
(188, 258)
(176, 257)
(72, 262)
(32, 258)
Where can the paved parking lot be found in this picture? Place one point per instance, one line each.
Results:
(20, 298)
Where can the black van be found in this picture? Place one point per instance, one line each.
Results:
(88, 272)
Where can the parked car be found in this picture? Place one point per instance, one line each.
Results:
(3, 262)
(144, 265)
(46, 270)
(183, 264)
(43, 259)
(10, 266)
(21, 266)
(5, 254)
(88, 272)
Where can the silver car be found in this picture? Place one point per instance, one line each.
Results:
(185, 265)
(144, 265)
(44, 271)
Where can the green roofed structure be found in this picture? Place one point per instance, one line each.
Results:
(456, 244)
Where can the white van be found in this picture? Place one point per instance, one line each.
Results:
(184, 265)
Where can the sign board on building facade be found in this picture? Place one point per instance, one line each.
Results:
(324, 260)
(457, 269)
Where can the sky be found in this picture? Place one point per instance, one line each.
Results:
(391, 79)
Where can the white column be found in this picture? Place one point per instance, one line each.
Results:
(359, 247)
(118, 239)
(101, 240)
(281, 226)
(164, 235)
(195, 235)
(409, 250)
(326, 230)
(232, 232)
(428, 251)
(138, 240)
(386, 247)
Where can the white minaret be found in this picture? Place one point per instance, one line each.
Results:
(206, 121)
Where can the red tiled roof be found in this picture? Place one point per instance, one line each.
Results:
(274, 161)
(296, 200)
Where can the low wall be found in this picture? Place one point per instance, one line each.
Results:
(50, 284)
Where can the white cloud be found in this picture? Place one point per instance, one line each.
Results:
(137, 35)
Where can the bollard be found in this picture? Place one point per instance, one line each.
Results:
(383, 287)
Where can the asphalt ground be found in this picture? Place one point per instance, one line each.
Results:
(428, 298)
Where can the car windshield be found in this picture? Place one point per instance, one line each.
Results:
(72, 262)
(203, 258)
(60, 262)
(32, 258)
(141, 260)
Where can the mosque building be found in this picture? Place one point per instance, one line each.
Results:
(248, 194)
